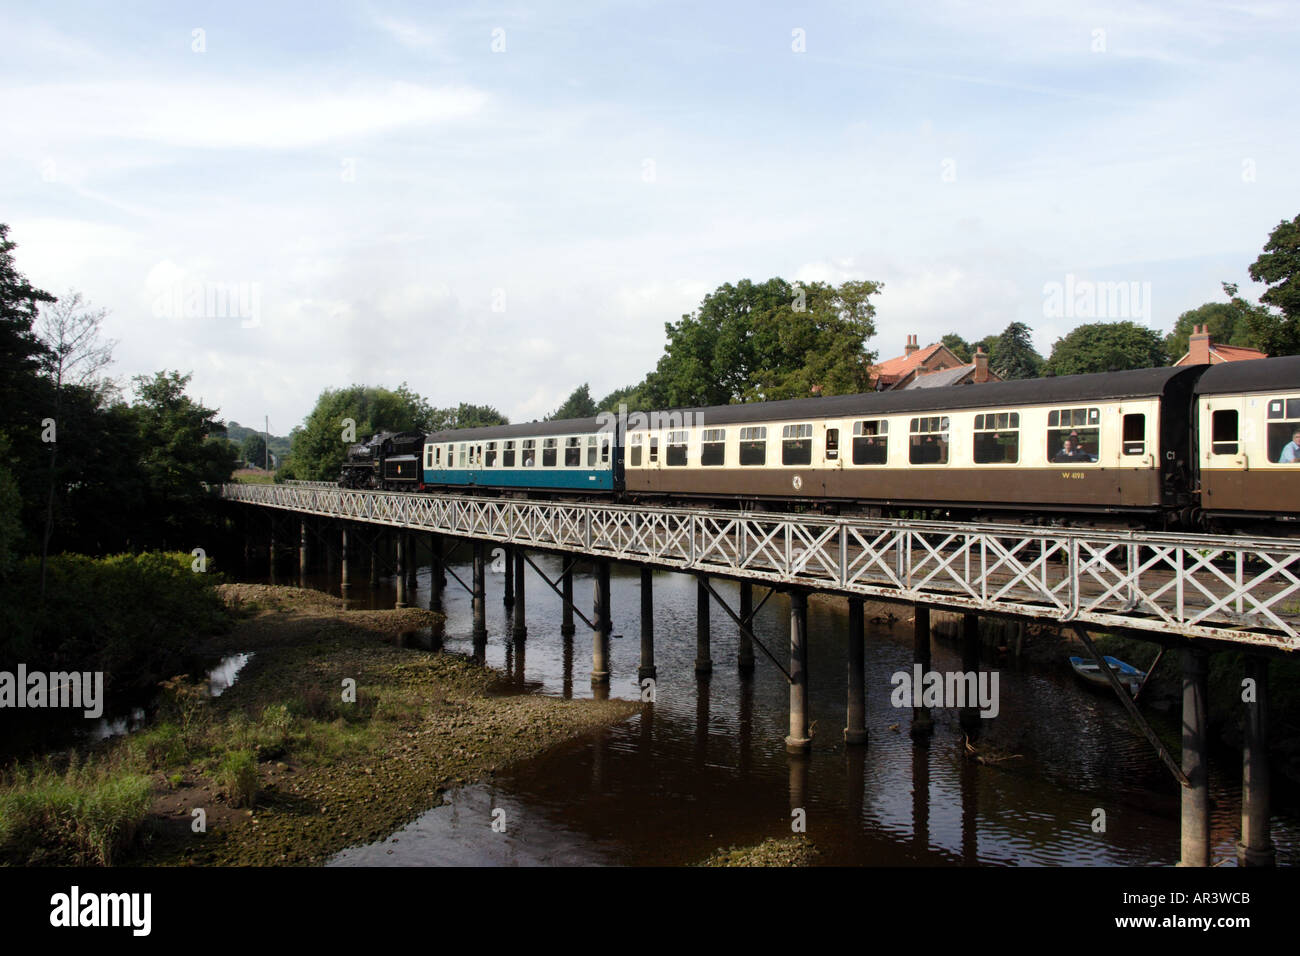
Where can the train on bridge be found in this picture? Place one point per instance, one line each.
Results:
(1192, 447)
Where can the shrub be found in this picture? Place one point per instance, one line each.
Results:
(236, 778)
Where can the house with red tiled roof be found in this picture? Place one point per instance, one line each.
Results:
(1202, 350)
(911, 368)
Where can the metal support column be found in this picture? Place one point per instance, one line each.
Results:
(600, 634)
(745, 653)
(1196, 794)
(647, 668)
(402, 558)
(566, 612)
(480, 593)
(520, 622)
(922, 722)
(1256, 846)
(798, 740)
(509, 596)
(855, 730)
(703, 655)
(345, 583)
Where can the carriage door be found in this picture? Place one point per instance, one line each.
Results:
(1224, 434)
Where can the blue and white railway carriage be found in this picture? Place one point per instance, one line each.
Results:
(571, 456)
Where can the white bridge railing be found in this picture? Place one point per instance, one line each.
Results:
(1226, 588)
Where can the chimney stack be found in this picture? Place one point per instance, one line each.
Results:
(911, 345)
(981, 365)
(1198, 346)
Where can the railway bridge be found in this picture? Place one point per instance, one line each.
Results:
(1192, 594)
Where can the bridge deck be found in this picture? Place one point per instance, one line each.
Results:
(1225, 588)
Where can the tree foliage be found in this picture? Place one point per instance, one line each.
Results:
(579, 404)
(1279, 266)
(764, 341)
(1230, 323)
(1013, 355)
(958, 346)
(1107, 347)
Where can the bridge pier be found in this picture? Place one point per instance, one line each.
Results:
(302, 552)
(647, 668)
(855, 730)
(520, 624)
(745, 652)
(480, 594)
(345, 581)
(922, 722)
(566, 592)
(969, 716)
(436, 577)
(1196, 795)
(411, 544)
(600, 617)
(270, 550)
(1256, 846)
(798, 741)
(374, 559)
(508, 598)
(703, 653)
(402, 557)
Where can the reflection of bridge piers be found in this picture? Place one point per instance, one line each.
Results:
(1194, 594)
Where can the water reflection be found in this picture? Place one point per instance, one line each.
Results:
(706, 768)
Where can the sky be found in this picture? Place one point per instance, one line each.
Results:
(495, 203)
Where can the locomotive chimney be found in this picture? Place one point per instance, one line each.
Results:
(911, 345)
(981, 365)
(1198, 346)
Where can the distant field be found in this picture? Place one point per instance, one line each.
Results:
(254, 476)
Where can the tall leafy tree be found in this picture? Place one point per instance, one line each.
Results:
(579, 404)
(1230, 323)
(21, 351)
(183, 448)
(347, 415)
(1013, 355)
(1107, 347)
(1279, 266)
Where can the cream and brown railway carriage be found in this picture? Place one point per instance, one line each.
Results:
(1248, 433)
(1117, 442)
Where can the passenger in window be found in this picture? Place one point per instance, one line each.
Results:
(1070, 451)
(1291, 452)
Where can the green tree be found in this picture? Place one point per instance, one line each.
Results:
(752, 342)
(958, 346)
(253, 450)
(1279, 266)
(1013, 355)
(632, 396)
(1107, 347)
(21, 352)
(579, 404)
(1230, 323)
(466, 415)
(180, 452)
(346, 415)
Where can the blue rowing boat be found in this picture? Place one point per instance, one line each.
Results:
(1130, 676)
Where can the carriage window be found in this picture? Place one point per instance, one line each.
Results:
(654, 447)
(491, 454)
(462, 456)
(997, 438)
(713, 446)
(676, 446)
(870, 442)
(1135, 434)
(1223, 432)
(832, 444)
(753, 445)
(508, 456)
(591, 451)
(929, 441)
(549, 452)
(530, 452)
(796, 445)
(572, 452)
(1284, 431)
(604, 451)
(635, 457)
(437, 455)
(1074, 435)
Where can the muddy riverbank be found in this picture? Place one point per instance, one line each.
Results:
(333, 773)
